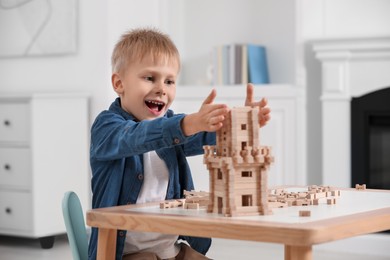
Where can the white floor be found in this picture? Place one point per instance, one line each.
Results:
(12, 248)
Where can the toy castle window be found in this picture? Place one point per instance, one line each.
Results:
(246, 200)
(243, 127)
(219, 174)
(220, 205)
(243, 145)
(246, 174)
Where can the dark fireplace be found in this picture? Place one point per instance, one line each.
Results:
(370, 139)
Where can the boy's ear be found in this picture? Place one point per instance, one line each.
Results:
(117, 83)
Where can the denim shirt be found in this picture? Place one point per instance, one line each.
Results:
(118, 142)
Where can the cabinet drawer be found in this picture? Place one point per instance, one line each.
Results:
(15, 167)
(14, 122)
(15, 210)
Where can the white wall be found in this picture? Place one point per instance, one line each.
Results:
(345, 18)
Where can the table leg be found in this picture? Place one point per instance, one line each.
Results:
(297, 252)
(106, 244)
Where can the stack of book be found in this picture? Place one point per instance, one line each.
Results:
(239, 64)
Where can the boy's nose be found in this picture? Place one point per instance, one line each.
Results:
(161, 88)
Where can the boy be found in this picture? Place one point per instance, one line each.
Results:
(139, 146)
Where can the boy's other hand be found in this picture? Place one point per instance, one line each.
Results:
(264, 111)
(209, 118)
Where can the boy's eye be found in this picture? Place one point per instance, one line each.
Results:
(169, 82)
(149, 78)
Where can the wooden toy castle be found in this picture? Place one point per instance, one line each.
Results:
(238, 166)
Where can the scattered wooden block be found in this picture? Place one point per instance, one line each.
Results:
(172, 204)
(304, 213)
(335, 193)
(192, 206)
(360, 187)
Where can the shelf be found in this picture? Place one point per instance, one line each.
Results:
(197, 26)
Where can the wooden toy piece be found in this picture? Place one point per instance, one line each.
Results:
(310, 196)
(303, 198)
(238, 166)
(320, 195)
(199, 197)
(304, 213)
(335, 193)
(194, 193)
(172, 204)
(302, 202)
(192, 206)
(360, 187)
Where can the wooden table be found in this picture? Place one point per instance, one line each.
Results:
(355, 213)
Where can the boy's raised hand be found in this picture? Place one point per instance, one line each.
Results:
(264, 112)
(209, 117)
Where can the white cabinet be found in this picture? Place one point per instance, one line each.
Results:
(281, 133)
(44, 141)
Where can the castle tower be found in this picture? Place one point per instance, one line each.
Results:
(238, 166)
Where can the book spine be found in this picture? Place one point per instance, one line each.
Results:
(244, 64)
(257, 64)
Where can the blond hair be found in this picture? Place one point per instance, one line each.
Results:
(135, 44)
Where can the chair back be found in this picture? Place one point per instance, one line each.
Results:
(75, 225)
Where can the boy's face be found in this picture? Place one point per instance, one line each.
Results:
(147, 88)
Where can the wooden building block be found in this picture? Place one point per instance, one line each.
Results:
(304, 213)
(336, 193)
(192, 206)
(320, 195)
(360, 187)
(172, 203)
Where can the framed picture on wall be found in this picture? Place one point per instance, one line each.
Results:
(38, 27)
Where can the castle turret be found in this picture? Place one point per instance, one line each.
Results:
(238, 166)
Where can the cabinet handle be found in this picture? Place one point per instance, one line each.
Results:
(8, 210)
(7, 167)
(7, 122)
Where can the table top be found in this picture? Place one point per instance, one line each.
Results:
(356, 212)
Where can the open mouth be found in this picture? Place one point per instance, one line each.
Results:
(155, 105)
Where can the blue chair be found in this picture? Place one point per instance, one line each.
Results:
(75, 226)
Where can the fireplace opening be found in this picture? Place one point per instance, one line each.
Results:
(370, 139)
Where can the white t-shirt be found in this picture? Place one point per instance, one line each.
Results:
(154, 188)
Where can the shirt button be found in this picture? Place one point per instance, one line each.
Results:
(176, 141)
(140, 176)
(121, 233)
